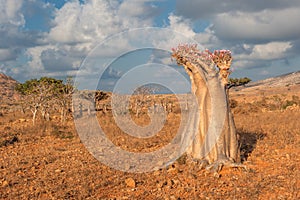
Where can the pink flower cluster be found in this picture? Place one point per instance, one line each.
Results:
(192, 54)
(218, 55)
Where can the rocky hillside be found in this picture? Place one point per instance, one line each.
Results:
(279, 81)
(283, 84)
(7, 92)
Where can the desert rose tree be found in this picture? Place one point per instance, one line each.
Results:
(209, 73)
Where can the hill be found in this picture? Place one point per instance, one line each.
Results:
(288, 84)
(281, 81)
(7, 85)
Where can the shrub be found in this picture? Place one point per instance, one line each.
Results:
(289, 103)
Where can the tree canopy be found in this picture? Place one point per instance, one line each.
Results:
(234, 82)
(44, 93)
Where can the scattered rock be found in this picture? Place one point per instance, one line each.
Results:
(127, 166)
(156, 173)
(280, 177)
(22, 120)
(58, 171)
(130, 182)
(4, 183)
(160, 163)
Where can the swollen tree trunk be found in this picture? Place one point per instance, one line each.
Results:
(215, 143)
(226, 146)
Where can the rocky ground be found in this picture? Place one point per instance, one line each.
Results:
(48, 160)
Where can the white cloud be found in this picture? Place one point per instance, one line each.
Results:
(137, 8)
(78, 28)
(259, 33)
(265, 25)
(97, 19)
(205, 9)
(240, 64)
(14, 36)
(208, 38)
(34, 53)
(269, 51)
(10, 20)
(10, 12)
(182, 25)
(7, 54)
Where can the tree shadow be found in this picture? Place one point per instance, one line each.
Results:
(248, 141)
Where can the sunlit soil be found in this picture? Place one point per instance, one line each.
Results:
(48, 161)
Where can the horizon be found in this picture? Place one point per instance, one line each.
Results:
(160, 89)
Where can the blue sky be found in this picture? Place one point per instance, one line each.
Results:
(53, 37)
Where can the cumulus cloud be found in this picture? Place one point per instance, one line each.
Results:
(8, 54)
(160, 57)
(203, 9)
(95, 20)
(56, 42)
(259, 33)
(266, 25)
(14, 36)
(181, 25)
(10, 13)
(10, 19)
(79, 27)
(73, 20)
(269, 51)
(72, 31)
(58, 60)
(142, 8)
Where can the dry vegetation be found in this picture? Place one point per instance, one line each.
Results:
(48, 160)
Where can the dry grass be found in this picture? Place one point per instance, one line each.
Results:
(48, 161)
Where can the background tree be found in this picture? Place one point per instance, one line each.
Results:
(209, 73)
(141, 94)
(234, 82)
(39, 95)
(63, 94)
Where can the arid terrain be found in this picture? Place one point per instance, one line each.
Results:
(49, 161)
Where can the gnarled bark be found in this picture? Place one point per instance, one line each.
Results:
(208, 84)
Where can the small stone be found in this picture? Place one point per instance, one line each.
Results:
(172, 170)
(288, 156)
(280, 177)
(170, 182)
(156, 173)
(58, 171)
(160, 163)
(161, 184)
(127, 167)
(130, 182)
(175, 181)
(4, 183)
(22, 120)
(172, 197)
